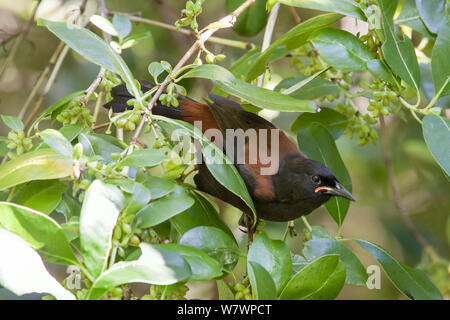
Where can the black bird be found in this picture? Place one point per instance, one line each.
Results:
(297, 187)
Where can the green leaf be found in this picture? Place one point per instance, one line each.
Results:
(92, 48)
(13, 123)
(202, 213)
(71, 131)
(379, 69)
(155, 266)
(35, 165)
(143, 158)
(224, 291)
(134, 39)
(347, 7)
(410, 17)
(439, 61)
(158, 187)
(356, 273)
(216, 243)
(322, 279)
(163, 209)
(412, 282)
(220, 166)
(318, 144)
(252, 20)
(262, 283)
(22, 270)
(39, 230)
(122, 25)
(314, 89)
(427, 86)
(43, 196)
(136, 199)
(203, 267)
(341, 49)
(433, 13)
(399, 53)
(100, 144)
(437, 135)
(298, 263)
(274, 256)
(294, 38)
(155, 69)
(104, 24)
(57, 142)
(257, 96)
(334, 121)
(101, 207)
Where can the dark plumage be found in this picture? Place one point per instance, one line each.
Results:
(299, 186)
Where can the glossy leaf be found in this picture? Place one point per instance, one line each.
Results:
(143, 158)
(318, 144)
(322, 279)
(13, 123)
(99, 144)
(262, 283)
(56, 141)
(158, 187)
(257, 96)
(202, 213)
(22, 270)
(104, 24)
(101, 207)
(334, 121)
(252, 20)
(163, 209)
(314, 89)
(410, 17)
(216, 243)
(341, 49)
(34, 165)
(433, 13)
(39, 230)
(437, 135)
(274, 256)
(355, 271)
(155, 266)
(398, 52)
(439, 61)
(347, 7)
(412, 282)
(136, 199)
(43, 196)
(294, 38)
(92, 48)
(203, 267)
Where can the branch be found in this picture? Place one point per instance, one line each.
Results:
(268, 35)
(223, 41)
(396, 193)
(19, 39)
(205, 34)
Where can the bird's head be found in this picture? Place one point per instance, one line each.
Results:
(302, 179)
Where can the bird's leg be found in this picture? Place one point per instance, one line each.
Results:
(249, 224)
(291, 227)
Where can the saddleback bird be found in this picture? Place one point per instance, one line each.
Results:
(297, 187)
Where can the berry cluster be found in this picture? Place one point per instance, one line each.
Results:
(242, 290)
(18, 141)
(76, 115)
(189, 15)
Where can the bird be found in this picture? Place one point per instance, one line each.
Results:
(295, 188)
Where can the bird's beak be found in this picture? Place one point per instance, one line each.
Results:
(338, 191)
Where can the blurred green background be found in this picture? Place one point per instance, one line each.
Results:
(423, 186)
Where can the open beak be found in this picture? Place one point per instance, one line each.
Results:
(338, 191)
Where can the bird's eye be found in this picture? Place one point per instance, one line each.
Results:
(315, 179)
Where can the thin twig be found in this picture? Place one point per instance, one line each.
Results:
(19, 39)
(225, 22)
(41, 80)
(268, 35)
(48, 86)
(88, 93)
(223, 41)
(396, 193)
